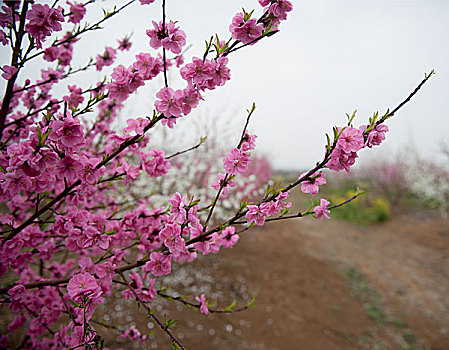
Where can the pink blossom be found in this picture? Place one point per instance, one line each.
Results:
(236, 162)
(9, 72)
(135, 283)
(138, 125)
(170, 38)
(221, 73)
(89, 174)
(179, 60)
(120, 92)
(158, 165)
(124, 44)
(189, 99)
(280, 8)
(52, 53)
(169, 102)
(175, 40)
(221, 183)
(133, 333)
(132, 172)
(16, 323)
(178, 213)
(4, 341)
(321, 210)
(249, 142)
(245, 31)
(376, 135)
(42, 21)
(91, 237)
(258, 214)
(150, 293)
(68, 167)
(9, 15)
(158, 265)
(351, 140)
(203, 304)
(106, 59)
(341, 160)
(311, 185)
(126, 81)
(15, 182)
(228, 237)
(4, 39)
(145, 65)
(77, 12)
(83, 285)
(171, 235)
(75, 97)
(146, 2)
(67, 132)
(198, 72)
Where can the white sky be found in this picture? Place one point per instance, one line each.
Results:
(330, 58)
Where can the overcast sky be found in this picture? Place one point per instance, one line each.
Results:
(330, 58)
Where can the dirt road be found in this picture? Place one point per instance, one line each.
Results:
(320, 286)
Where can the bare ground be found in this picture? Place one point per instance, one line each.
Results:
(318, 286)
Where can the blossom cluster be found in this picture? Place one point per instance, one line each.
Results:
(351, 141)
(112, 200)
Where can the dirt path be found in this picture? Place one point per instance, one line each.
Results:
(318, 286)
(321, 285)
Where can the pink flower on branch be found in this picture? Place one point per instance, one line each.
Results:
(228, 237)
(236, 162)
(158, 265)
(83, 285)
(77, 12)
(68, 132)
(124, 44)
(106, 59)
(341, 160)
(156, 166)
(138, 125)
(9, 72)
(311, 185)
(245, 31)
(258, 213)
(42, 21)
(169, 102)
(376, 135)
(221, 183)
(351, 140)
(203, 304)
(321, 210)
(170, 38)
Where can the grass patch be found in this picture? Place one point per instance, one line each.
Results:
(361, 289)
(365, 210)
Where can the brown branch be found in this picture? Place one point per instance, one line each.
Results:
(15, 56)
(150, 313)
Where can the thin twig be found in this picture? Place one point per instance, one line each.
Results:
(150, 313)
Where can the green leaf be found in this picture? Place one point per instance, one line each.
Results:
(251, 303)
(230, 307)
(71, 302)
(171, 322)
